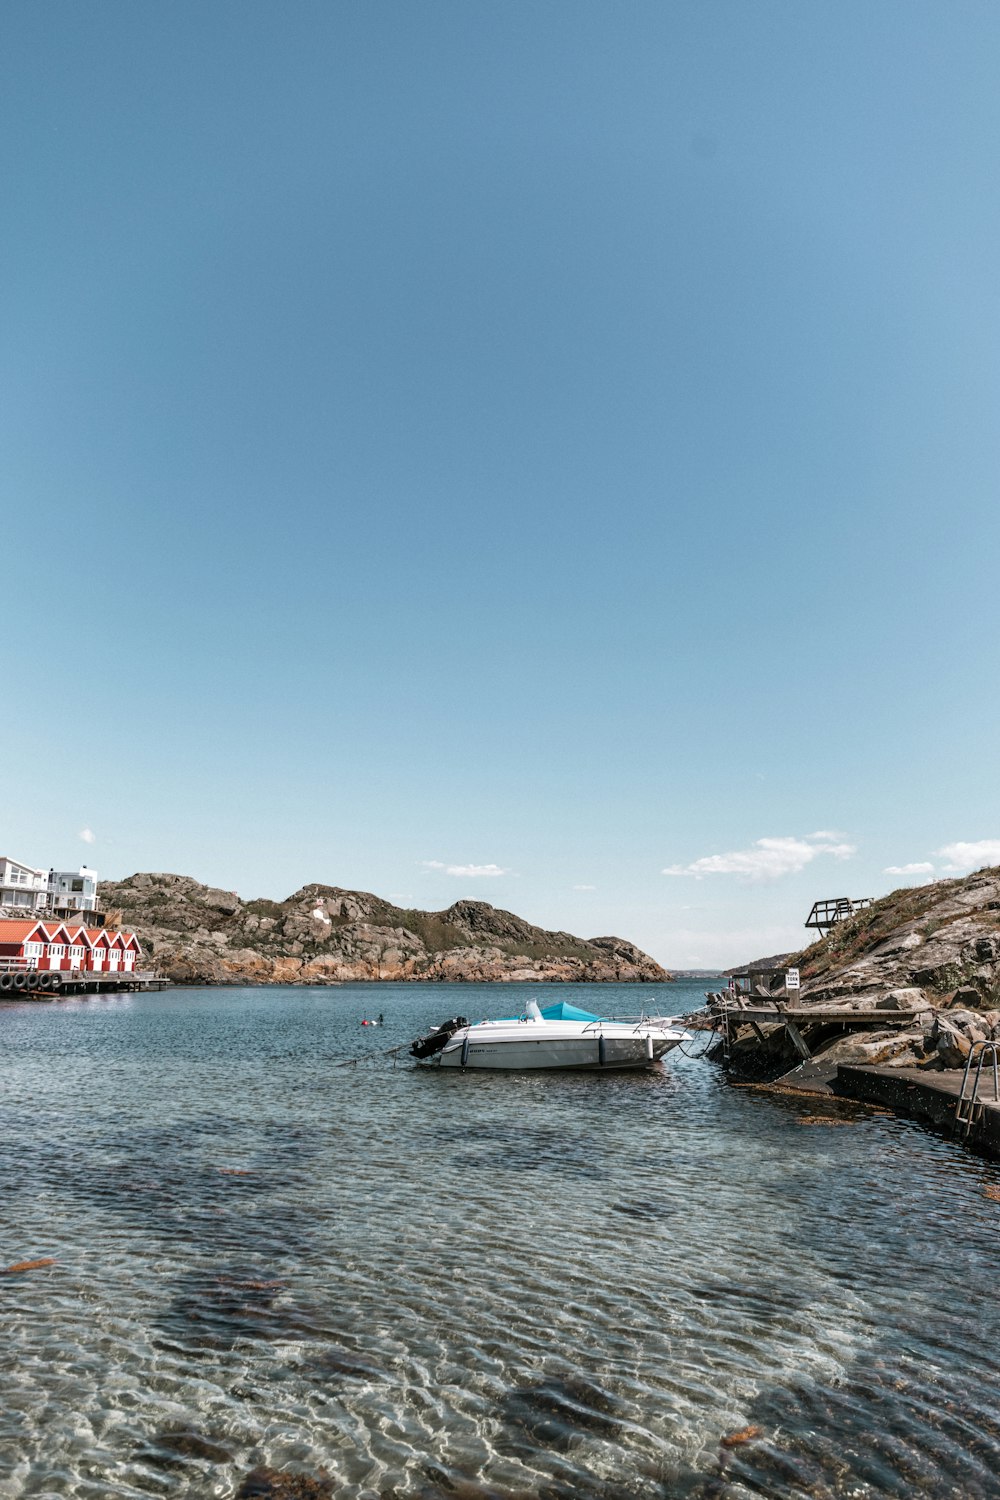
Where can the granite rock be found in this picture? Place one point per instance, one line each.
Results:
(198, 934)
(942, 940)
(909, 998)
(930, 953)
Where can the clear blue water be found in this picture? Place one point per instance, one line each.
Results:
(429, 1283)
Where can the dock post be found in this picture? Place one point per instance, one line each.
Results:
(798, 1041)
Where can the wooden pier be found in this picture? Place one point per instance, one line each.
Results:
(38, 984)
(963, 1104)
(736, 1010)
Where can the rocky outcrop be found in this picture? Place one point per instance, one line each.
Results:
(197, 934)
(940, 941)
(773, 961)
(930, 953)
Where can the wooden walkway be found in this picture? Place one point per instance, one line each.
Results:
(72, 983)
(737, 1010)
(779, 1014)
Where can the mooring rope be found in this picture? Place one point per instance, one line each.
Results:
(712, 1033)
(352, 1062)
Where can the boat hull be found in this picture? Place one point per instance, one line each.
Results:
(597, 1052)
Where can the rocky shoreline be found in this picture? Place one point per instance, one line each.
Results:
(197, 934)
(931, 954)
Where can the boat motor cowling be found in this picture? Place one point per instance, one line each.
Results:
(433, 1041)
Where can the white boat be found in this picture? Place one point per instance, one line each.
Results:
(559, 1036)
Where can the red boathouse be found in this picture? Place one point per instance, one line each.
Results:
(27, 945)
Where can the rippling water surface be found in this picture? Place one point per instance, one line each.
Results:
(429, 1283)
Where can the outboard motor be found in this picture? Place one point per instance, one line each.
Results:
(434, 1041)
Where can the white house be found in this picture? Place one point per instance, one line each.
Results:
(73, 889)
(22, 886)
(23, 889)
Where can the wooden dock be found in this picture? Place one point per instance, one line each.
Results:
(737, 1010)
(38, 984)
(780, 1014)
(962, 1103)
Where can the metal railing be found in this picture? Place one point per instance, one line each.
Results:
(826, 914)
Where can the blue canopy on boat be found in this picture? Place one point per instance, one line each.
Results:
(563, 1011)
(560, 1011)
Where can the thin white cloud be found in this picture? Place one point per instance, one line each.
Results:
(961, 857)
(88, 835)
(465, 872)
(768, 859)
(919, 867)
(585, 888)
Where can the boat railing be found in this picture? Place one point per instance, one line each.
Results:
(635, 1021)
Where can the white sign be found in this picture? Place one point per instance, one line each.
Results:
(792, 979)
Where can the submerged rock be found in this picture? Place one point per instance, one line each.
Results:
(448, 1486)
(172, 1448)
(217, 1310)
(737, 1439)
(643, 1208)
(282, 1484)
(335, 1361)
(554, 1411)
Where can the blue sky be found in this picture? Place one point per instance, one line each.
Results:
(507, 450)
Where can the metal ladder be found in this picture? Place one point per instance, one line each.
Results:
(727, 1039)
(967, 1103)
